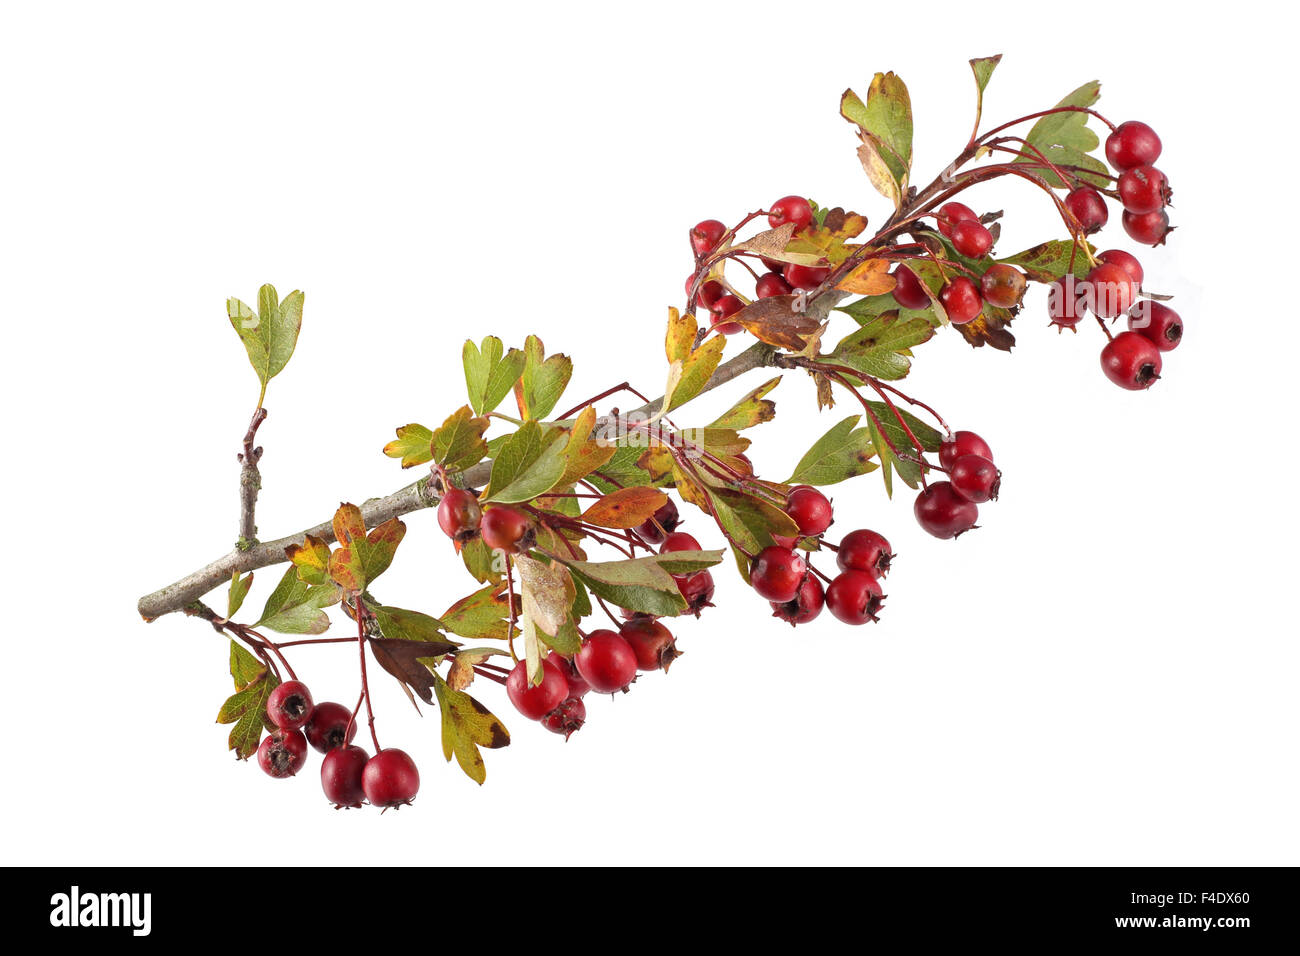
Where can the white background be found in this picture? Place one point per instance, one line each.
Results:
(1104, 673)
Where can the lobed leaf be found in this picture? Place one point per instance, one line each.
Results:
(466, 726)
(843, 452)
(490, 374)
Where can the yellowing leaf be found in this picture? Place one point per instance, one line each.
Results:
(311, 559)
(682, 330)
(869, 278)
(414, 445)
(466, 726)
(625, 508)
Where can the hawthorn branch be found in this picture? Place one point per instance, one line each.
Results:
(183, 594)
(250, 481)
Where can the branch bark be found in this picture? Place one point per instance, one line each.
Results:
(250, 481)
(183, 593)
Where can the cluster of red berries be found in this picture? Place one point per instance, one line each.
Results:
(947, 509)
(348, 775)
(782, 278)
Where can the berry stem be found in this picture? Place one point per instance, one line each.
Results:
(359, 609)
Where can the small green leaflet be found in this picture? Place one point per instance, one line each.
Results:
(528, 464)
(269, 334)
(466, 726)
(1065, 140)
(881, 347)
(543, 380)
(686, 379)
(643, 584)
(458, 443)
(413, 445)
(400, 624)
(983, 68)
(246, 708)
(1051, 260)
(490, 374)
(296, 608)
(750, 521)
(753, 409)
(238, 591)
(481, 616)
(843, 452)
(885, 127)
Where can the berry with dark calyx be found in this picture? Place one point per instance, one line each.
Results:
(810, 510)
(506, 529)
(282, 753)
(1003, 286)
(807, 604)
(1088, 206)
(577, 686)
(340, 776)
(770, 284)
(971, 238)
(854, 597)
(1112, 290)
(1158, 323)
(679, 541)
(864, 550)
(963, 443)
(793, 209)
(975, 478)
(776, 574)
(1150, 229)
(331, 726)
(1126, 261)
(951, 213)
(723, 309)
(1144, 189)
(535, 701)
(1067, 302)
(706, 235)
(652, 643)
(657, 528)
(459, 515)
(606, 662)
(805, 277)
(961, 300)
(567, 718)
(1131, 361)
(697, 589)
(943, 512)
(1132, 144)
(289, 707)
(908, 291)
(390, 779)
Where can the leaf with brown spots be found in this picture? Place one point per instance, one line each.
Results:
(989, 328)
(753, 409)
(480, 616)
(361, 557)
(625, 508)
(461, 673)
(775, 321)
(841, 224)
(466, 726)
(405, 661)
(870, 278)
(312, 560)
(584, 454)
(680, 336)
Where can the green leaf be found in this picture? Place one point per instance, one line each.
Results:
(294, 607)
(753, 409)
(481, 616)
(246, 709)
(480, 561)
(238, 591)
(885, 120)
(1064, 139)
(529, 464)
(687, 379)
(543, 381)
(641, 584)
(458, 443)
(983, 68)
(843, 452)
(413, 445)
(466, 726)
(361, 557)
(929, 436)
(244, 667)
(400, 624)
(881, 347)
(751, 522)
(889, 427)
(269, 334)
(489, 376)
(1051, 260)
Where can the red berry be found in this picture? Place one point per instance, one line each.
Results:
(963, 443)
(951, 213)
(506, 529)
(606, 662)
(535, 701)
(772, 265)
(1111, 289)
(793, 209)
(577, 686)
(771, 284)
(1157, 323)
(661, 525)
(1131, 361)
(810, 510)
(805, 277)
(1126, 261)
(944, 513)
(567, 718)
(975, 478)
(1132, 144)
(854, 597)
(331, 726)
(390, 779)
(282, 753)
(1087, 206)
(724, 309)
(961, 300)
(706, 235)
(679, 541)
(697, 589)
(652, 643)
(807, 604)
(289, 705)
(459, 515)
(1067, 301)
(777, 573)
(340, 776)
(1150, 229)
(1144, 189)
(864, 550)
(908, 291)
(1003, 286)
(971, 238)
(710, 292)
